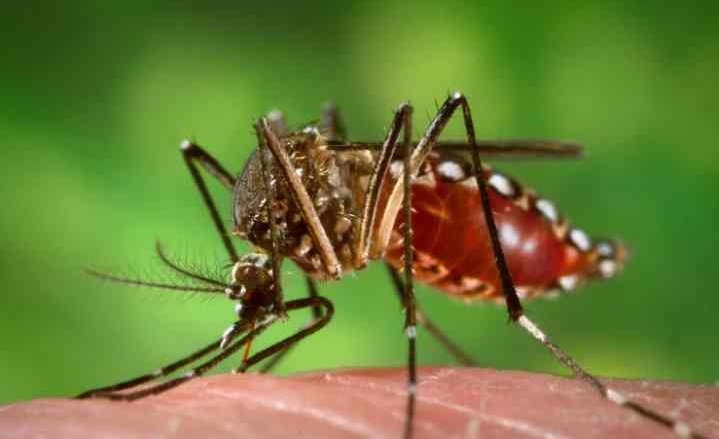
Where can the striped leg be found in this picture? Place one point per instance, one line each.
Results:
(516, 312)
(680, 428)
(435, 331)
(326, 312)
(316, 315)
(331, 126)
(252, 329)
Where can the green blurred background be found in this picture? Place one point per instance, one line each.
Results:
(96, 98)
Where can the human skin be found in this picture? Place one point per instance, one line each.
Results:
(452, 402)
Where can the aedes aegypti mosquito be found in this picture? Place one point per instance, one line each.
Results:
(331, 206)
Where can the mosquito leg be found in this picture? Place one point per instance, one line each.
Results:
(515, 149)
(423, 148)
(680, 428)
(316, 315)
(514, 307)
(270, 188)
(410, 304)
(312, 291)
(516, 313)
(378, 175)
(401, 123)
(288, 342)
(109, 392)
(332, 125)
(160, 373)
(197, 371)
(434, 330)
(266, 138)
(519, 148)
(299, 193)
(192, 153)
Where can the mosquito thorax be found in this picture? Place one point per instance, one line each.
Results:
(336, 183)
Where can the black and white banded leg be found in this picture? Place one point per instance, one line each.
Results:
(432, 328)
(226, 347)
(514, 307)
(516, 313)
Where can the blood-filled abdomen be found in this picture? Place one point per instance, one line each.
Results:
(453, 249)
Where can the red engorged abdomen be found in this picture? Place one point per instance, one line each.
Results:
(453, 248)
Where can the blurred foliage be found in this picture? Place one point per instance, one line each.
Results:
(97, 96)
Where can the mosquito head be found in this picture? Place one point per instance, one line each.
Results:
(251, 283)
(610, 258)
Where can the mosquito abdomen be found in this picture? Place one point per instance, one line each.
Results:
(453, 252)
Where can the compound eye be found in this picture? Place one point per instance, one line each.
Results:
(252, 279)
(250, 265)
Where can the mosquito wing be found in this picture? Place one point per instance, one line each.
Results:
(513, 149)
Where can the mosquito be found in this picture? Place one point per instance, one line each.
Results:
(431, 209)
